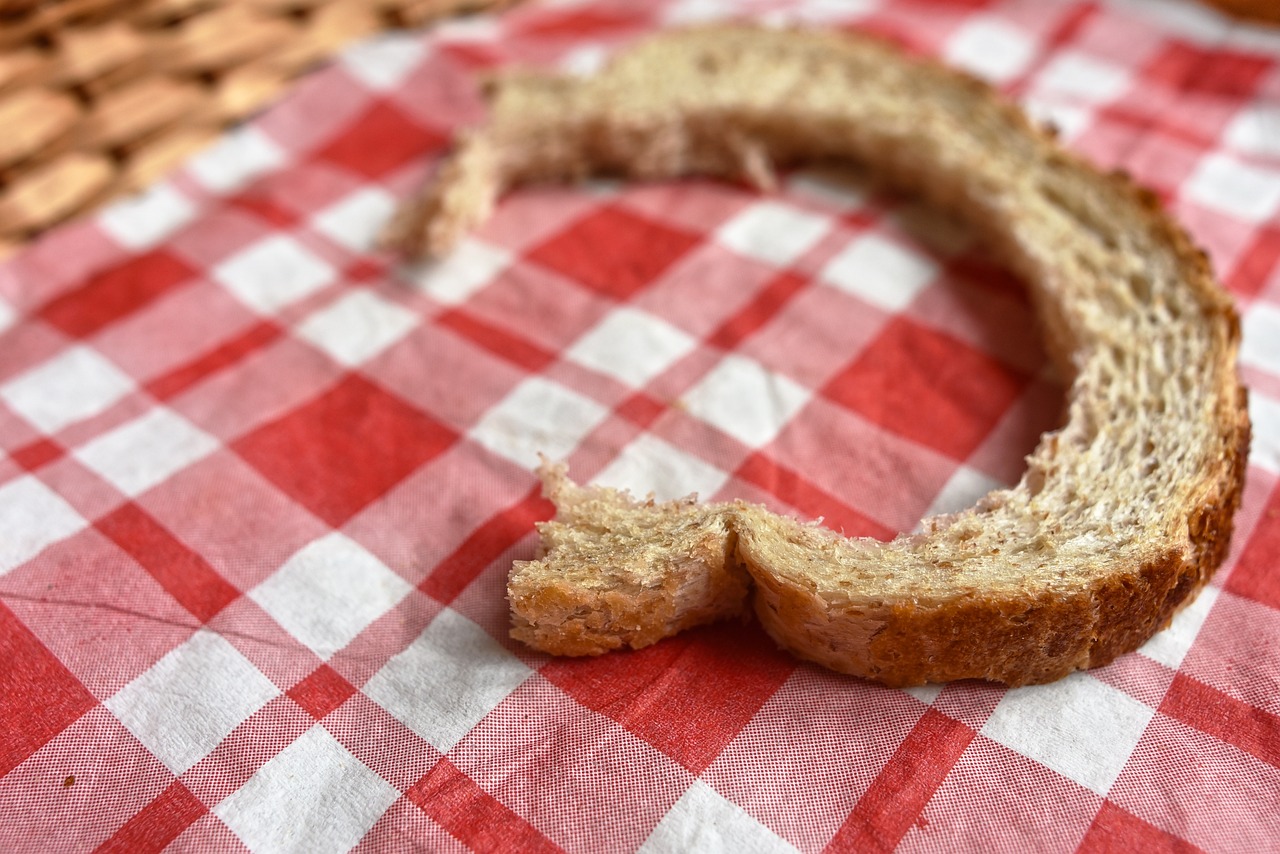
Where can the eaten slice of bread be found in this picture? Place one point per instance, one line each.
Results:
(1122, 514)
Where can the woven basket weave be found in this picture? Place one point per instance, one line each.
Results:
(99, 97)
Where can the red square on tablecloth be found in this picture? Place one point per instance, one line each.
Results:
(1258, 265)
(321, 692)
(325, 455)
(116, 292)
(928, 386)
(39, 697)
(381, 140)
(1255, 576)
(687, 696)
(614, 251)
(37, 454)
(1220, 71)
(1116, 829)
(580, 23)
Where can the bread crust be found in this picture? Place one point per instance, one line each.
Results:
(1255, 10)
(1123, 514)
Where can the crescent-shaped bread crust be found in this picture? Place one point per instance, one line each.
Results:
(1123, 513)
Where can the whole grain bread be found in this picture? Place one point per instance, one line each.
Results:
(1123, 513)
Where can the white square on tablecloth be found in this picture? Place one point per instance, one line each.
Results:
(354, 222)
(33, 517)
(649, 464)
(141, 453)
(273, 273)
(8, 316)
(584, 61)
(1260, 337)
(990, 48)
(314, 796)
(879, 271)
(328, 592)
(832, 11)
(1256, 130)
(447, 680)
(631, 345)
(1082, 77)
(357, 327)
(1264, 450)
(773, 232)
(146, 219)
(961, 491)
(1068, 119)
(73, 385)
(696, 11)
(1240, 189)
(383, 62)
(746, 400)
(703, 820)
(926, 693)
(235, 159)
(1196, 22)
(840, 191)
(1170, 646)
(467, 29)
(190, 700)
(469, 267)
(539, 415)
(1078, 726)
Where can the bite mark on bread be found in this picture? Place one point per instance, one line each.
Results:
(1124, 512)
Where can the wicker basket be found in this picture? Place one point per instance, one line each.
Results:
(99, 97)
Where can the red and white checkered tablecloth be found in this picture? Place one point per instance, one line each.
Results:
(260, 487)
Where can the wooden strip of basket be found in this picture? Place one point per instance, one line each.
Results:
(100, 97)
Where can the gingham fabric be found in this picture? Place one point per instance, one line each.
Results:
(261, 486)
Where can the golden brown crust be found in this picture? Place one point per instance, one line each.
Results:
(1254, 10)
(1121, 517)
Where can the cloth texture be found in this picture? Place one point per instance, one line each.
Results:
(261, 485)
